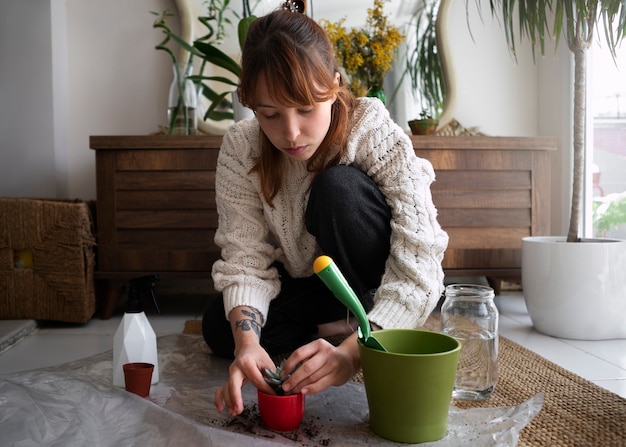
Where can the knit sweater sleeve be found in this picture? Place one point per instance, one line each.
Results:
(413, 279)
(243, 274)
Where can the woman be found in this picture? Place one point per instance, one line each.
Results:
(316, 172)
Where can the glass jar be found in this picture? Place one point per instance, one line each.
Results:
(470, 315)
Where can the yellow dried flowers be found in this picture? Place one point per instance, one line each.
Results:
(365, 54)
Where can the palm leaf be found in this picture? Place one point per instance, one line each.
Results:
(576, 20)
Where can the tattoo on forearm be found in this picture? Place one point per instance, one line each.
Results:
(253, 323)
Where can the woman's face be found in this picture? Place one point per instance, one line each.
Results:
(295, 131)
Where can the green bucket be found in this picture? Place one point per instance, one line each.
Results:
(409, 387)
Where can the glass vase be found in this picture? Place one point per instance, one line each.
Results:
(182, 103)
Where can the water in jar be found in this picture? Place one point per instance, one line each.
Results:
(477, 371)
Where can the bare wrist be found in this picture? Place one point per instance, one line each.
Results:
(350, 347)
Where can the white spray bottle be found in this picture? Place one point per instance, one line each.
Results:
(135, 340)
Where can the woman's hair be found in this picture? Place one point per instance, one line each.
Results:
(297, 61)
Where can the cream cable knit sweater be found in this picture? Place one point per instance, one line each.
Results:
(253, 235)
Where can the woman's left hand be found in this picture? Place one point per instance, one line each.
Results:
(321, 365)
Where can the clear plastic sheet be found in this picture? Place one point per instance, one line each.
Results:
(60, 409)
(76, 405)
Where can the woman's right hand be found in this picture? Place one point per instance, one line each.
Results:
(250, 360)
(247, 367)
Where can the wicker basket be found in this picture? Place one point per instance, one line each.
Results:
(46, 260)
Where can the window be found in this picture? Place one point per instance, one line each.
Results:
(605, 203)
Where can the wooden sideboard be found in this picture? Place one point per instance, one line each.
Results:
(155, 209)
(490, 192)
(156, 204)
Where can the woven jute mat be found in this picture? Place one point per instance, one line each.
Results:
(576, 412)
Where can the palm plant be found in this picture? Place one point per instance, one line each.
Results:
(577, 20)
(423, 64)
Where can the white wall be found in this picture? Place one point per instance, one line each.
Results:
(494, 92)
(26, 125)
(75, 68)
(118, 82)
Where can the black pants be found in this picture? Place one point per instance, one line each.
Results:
(349, 217)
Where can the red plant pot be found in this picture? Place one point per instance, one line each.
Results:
(281, 413)
(137, 378)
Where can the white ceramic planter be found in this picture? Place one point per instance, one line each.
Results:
(575, 290)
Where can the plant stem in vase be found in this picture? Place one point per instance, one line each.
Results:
(181, 111)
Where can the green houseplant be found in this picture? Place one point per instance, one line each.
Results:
(424, 68)
(427, 64)
(206, 50)
(182, 103)
(574, 288)
(274, 379)
(577, 20)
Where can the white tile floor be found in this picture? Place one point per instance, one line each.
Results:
(602, 362)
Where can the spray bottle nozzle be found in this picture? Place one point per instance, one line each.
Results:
(139, 286)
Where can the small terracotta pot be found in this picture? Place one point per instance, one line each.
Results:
(281, 413)
(137, 378)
